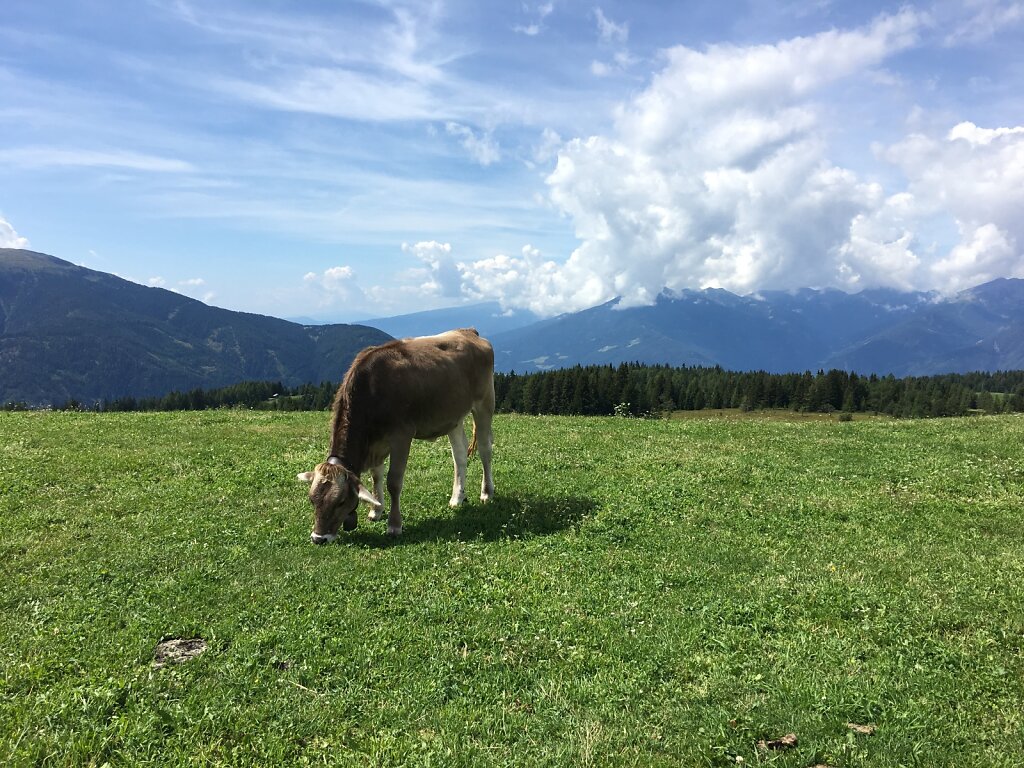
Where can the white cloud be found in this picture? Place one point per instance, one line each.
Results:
(698, 86)
(9, 238)
(609, 31)
(440, 277)
(973, 177)
(984, 253)
(972, 134)
(613, 35)
(338, 275)
(536, 26)
(43, 157)
(192, 282)
(337, 93)
(334, 283)
(980, 20)
(547, 149)
(531, 281)
(482, 147)
(156, 282)
(718, 175)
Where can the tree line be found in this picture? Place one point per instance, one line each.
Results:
(642, 390)
(632, 389)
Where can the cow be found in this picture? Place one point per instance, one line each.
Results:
(410, 388)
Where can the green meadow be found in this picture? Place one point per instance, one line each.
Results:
(641, 592)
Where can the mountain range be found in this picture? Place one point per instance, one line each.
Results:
(489, 318)
(70, 332)
(874, 331)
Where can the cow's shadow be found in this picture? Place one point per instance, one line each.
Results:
(505, 517)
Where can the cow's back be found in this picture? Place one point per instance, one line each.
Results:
(423, 385)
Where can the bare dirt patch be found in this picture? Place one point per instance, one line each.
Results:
(862, 730)
(177, 650)
(784, 742)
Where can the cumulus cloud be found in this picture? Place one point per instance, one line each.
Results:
(973, 176)
(529, 280)
(9, 238)
(334, 283)
(718, 175)
(439, 275)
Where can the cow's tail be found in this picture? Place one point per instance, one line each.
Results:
(472, 442)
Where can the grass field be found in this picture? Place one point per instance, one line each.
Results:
(654, 593)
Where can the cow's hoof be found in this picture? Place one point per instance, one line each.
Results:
(485, 497)
(454, 502)
(374, 515)
(394, 530)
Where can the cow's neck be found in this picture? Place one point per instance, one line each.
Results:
(348, 444)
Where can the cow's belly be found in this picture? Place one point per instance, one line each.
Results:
(434, 431)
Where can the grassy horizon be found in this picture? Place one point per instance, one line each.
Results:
(658, 592)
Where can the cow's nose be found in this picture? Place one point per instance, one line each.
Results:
(316, 538)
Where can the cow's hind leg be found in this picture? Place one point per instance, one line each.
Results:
(396, 474)
(376, 513)
(460, 454)
(482, 417)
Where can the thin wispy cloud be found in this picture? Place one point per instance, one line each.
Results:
(50, 157)
(609, 31)
(537, 13)
(481, 146)
(613, 36)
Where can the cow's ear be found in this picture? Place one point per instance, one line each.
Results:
(365, 495)
(305, 477)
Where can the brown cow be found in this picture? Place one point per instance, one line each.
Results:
(414, 388)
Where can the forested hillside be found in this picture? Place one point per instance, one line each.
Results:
(69, 332)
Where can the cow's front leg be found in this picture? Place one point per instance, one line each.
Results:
(396, 473)
(377, 512)
(460, 454)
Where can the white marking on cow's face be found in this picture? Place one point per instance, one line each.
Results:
(327, 538)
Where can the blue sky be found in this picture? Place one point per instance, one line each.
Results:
(356, 159)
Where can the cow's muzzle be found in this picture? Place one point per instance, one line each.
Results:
(316, 538)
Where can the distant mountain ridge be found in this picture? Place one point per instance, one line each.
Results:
(71, 332)
(488, 318)
(874, 331)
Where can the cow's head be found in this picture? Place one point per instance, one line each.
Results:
(334, 492)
